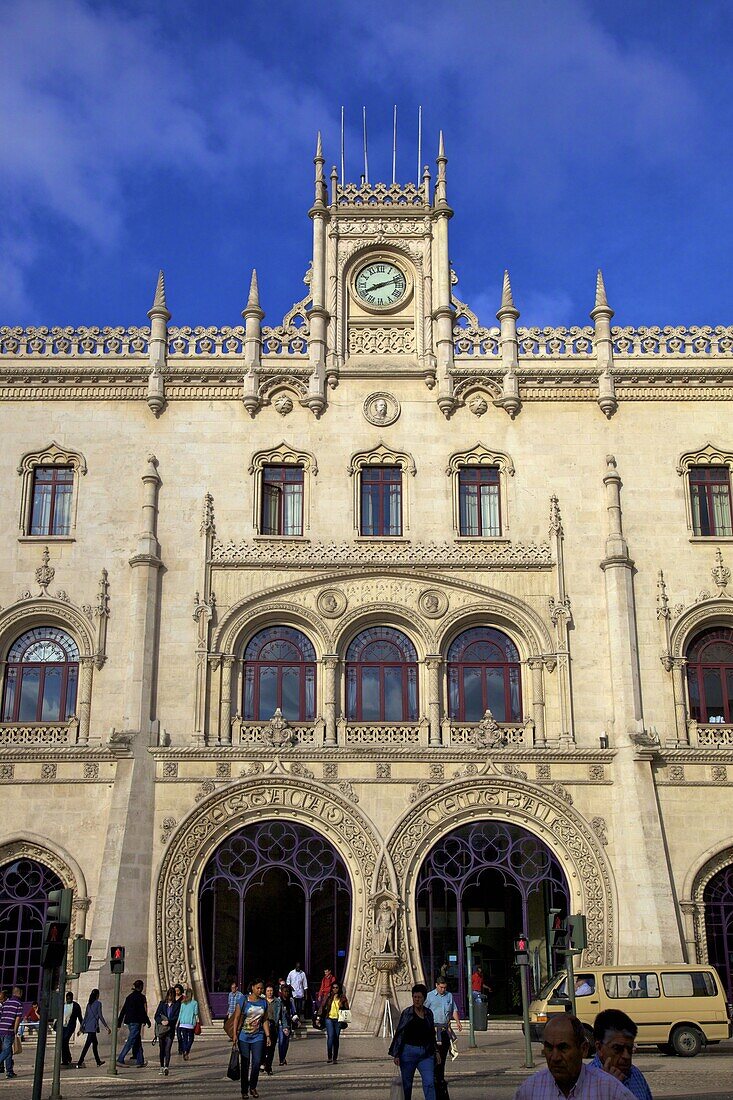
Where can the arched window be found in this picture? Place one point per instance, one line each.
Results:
(24, 887)
(280, 671)
(483, 674)
(41, 677)
(710, 676)
(381, 677)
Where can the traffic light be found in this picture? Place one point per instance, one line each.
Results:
(560, 932)
(521, 951)
(56, 928)
(577, 933)
(117, 959)
(81, 958)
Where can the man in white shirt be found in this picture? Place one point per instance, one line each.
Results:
(298, 982)
(564, 1046)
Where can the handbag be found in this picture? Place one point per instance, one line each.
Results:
(234, 1070)
(229, 1026)
(17, 1045)
(397, 1092)
(344, 1016)
(197, 1028)
(161, 1028)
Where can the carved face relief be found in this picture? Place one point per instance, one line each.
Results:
(381, 409)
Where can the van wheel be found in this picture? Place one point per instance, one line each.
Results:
(687, 1041)
(665, 1048)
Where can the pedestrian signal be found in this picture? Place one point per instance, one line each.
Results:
(560, 932)
(577, 933)
(81, 957)
(56, 928)
(117, 959)
(521, 951)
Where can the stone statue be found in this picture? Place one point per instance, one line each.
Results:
(385, 922)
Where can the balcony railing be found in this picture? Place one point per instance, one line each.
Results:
(710, 735)
(39, 733)
(383, 733)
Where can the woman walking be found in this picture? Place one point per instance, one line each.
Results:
(188, 1017)
(251, 1029)
(90, 1027)
(334, 1003)
(271, 1039)
(413, 1046)
(166, 1018)
(283, 1013)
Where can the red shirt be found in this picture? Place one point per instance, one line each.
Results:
(325, 987)
(477, 981)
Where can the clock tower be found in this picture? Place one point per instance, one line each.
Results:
(381, 283)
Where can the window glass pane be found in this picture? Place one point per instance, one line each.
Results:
(9, 701)
(369, 509)
(721, 509)
(41, 514)
(293, 510)
(62, 510)
(490, 522)
(29, 687)
(249, 692)
(625, 986)
(351, 694)
(370, 695)
(411, 695)
(291, 694)
(268, 693)
(692, 686)
(473, 702)
(468, 509)
(713, 695)
(51, 705)
(71, 679)
(394, 510)
(495, 693)
(393, 704)
(698, 516)
(271, 509)
(683, 984)
(453, 698)
(310, 694)
(514, 700)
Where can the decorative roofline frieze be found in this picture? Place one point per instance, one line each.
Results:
(415, 555)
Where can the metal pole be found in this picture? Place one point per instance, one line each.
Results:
(56, 1079)
(112, 1067)
(524, 979)
(469, 994)
(571, 979)
(42, 1035)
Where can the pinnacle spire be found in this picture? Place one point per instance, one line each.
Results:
(254, 291)
(319, 146)
(160, 306)
(601, 299)
(441, 145)
(507, 301)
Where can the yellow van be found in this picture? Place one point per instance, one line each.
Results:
(678, 1007)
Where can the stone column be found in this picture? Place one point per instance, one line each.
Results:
(536, 667)
(225, 705)
(433, 662)
(318, 316)
(679, 665)
(330, 664)
(86, 669)
(443, 313)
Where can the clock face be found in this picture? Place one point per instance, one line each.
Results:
(381, 284)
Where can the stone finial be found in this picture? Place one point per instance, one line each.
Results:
(601, 307)
(159, 307)
(254, 291)
(507, 307)
(441, 147)
(319, 147)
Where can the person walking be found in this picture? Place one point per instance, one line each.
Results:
(89, 1027)
(180, 992)
(284, 1012)
(134, 1013)
(413, 1046)
(11, 1012)
(166, 1019)
(335, 1002)
(271, 1040)
(188, 1017)
(72, 1018)
(298, 982)
(251, 1030)
(444, 1010)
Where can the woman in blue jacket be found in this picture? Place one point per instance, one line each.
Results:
(413, 1046)
(166, 1018)
(90, 1027)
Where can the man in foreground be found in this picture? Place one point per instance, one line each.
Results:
(614, 1033)
(564, 1046)
(443, 1007)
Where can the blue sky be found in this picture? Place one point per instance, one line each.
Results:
(180, 135)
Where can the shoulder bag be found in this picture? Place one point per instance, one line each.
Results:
(344, 1016)
(234, 1070)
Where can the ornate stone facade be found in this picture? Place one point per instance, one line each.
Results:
(593, 574)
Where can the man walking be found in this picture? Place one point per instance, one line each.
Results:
(11, 1012)
(443, 1007)
(298, 982)
(614, 1033)
(134, 1013)
(72, 1016)
(564, 1046)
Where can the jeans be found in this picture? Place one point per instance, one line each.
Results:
(422, 1059)
(134, 1044)
(185, 1035)
(90, 1040)
(283, 1042)
(250, 1055)
(29, 1026)
(6, 1053)
(66, 1037)
(333, 1031)
(299, 1007)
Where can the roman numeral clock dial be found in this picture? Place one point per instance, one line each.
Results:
(380, 284)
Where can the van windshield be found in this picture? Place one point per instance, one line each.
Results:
(550, 985)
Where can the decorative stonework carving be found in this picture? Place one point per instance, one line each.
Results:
(277, 732)
(347, 790)
(707, 455)
(478, 405)
(646, 739)
(91, 771)
(294, 555)
(40, 733)
(596, 772)
(170, 769)
(331, 602)
(720, 572)
(385, 924)
(48, 771)
(515, 771)
(544, 771)
(369, 195)
(598, 825)
(382, 455)
(676, 773)
(282, 455)
(708, 871)
(45, 573)
(283, 404)
(488, 734)
(169, 824)
(296, 768)
(29, 849)
(52, 455)
(245, 732)
(562, 792)
(384, 771)
(207, 787)
(7, 771)
(381, 409)
(433, 603)
(719, 774)
(330, 770)
(223, 770)
(374, 733)
(381, 340)
(437, 771)
(419, 790)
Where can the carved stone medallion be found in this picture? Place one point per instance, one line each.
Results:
(433, 603)
(332, 602)
(381, 409)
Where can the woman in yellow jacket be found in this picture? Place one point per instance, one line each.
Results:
(329, 1018)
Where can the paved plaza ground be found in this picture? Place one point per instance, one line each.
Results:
(494, 1070)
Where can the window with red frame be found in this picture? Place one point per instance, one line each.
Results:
(478, 498)
(282, 500)
(41, 675)
(484, 674)
(280, 671)
(710, 676)
(381, 677)
(53, 487)
(710, 499)
(381, 500)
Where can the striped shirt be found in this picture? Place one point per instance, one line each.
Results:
(9, 1011)
(635, 1083)
(592, 1084)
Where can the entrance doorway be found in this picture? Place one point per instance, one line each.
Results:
(272, 894)
(24, 887)
(495, 881)
(718, 898)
